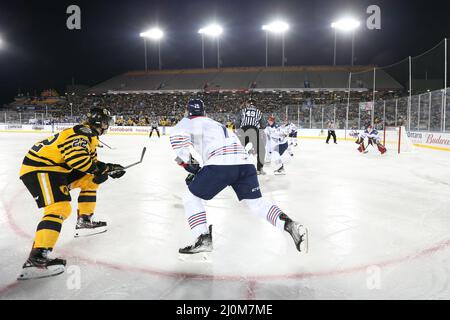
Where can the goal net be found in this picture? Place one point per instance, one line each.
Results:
(396, 139)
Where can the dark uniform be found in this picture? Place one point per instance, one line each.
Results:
(249, 124)
(331, 132)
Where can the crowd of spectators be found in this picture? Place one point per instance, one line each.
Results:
(308, 108)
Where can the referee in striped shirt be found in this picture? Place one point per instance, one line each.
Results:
(249, 125)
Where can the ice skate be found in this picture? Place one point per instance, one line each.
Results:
(39, 265)
(298, 232)
(260, 172)
(200, 251)
(86, 227)
(280, 171)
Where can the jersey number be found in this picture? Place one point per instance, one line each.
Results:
(79, 143)
(38, 146)
(251, 113)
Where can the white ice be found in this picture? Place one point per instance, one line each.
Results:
(379, 229)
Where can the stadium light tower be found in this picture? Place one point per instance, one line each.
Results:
(154, 34)
(214, 31)
(277, 27)
(345, 25)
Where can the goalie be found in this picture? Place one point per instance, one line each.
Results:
(373, 138)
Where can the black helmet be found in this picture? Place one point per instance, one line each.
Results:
(99, 119)
(251, 102)
(196, 107)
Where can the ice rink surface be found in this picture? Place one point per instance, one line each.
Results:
(379, 229)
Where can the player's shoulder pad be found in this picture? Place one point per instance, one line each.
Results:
(83, 131)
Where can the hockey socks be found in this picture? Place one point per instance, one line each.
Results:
(195, 214)
(266, 210)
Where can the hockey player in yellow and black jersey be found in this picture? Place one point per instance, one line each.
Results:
(52, 168)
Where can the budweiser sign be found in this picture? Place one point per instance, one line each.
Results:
(432, 139)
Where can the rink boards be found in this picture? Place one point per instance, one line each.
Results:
(432, 140)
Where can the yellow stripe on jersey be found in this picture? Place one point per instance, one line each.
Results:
(41, 185)
(46, 188)
(32, 156)
(49, 186)
(73, 148)
(82, 164)
(72, 151)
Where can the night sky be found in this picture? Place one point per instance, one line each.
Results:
(39, 52)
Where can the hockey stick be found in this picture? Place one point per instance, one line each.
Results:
(138, 162)
(130, 165)
(106, 145)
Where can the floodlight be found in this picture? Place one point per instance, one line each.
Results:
(346, 24)
(154, 34)
(276, 27)
(212, 30)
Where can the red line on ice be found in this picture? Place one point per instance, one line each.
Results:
(251, 280)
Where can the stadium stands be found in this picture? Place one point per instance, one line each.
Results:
(256, 78)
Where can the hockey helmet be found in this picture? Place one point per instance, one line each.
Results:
(195, 107)
(251, 102)
(99, 119)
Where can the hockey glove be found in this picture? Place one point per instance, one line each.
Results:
(193, 168)
(189, 167)
(115, 171)
(104, 170)
(189, 178)
(100, 178)
(100, 168)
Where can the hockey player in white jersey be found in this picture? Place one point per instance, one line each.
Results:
(223, 162)
(277, 136)
(291, 129)
(372, 137)
(268, 153)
